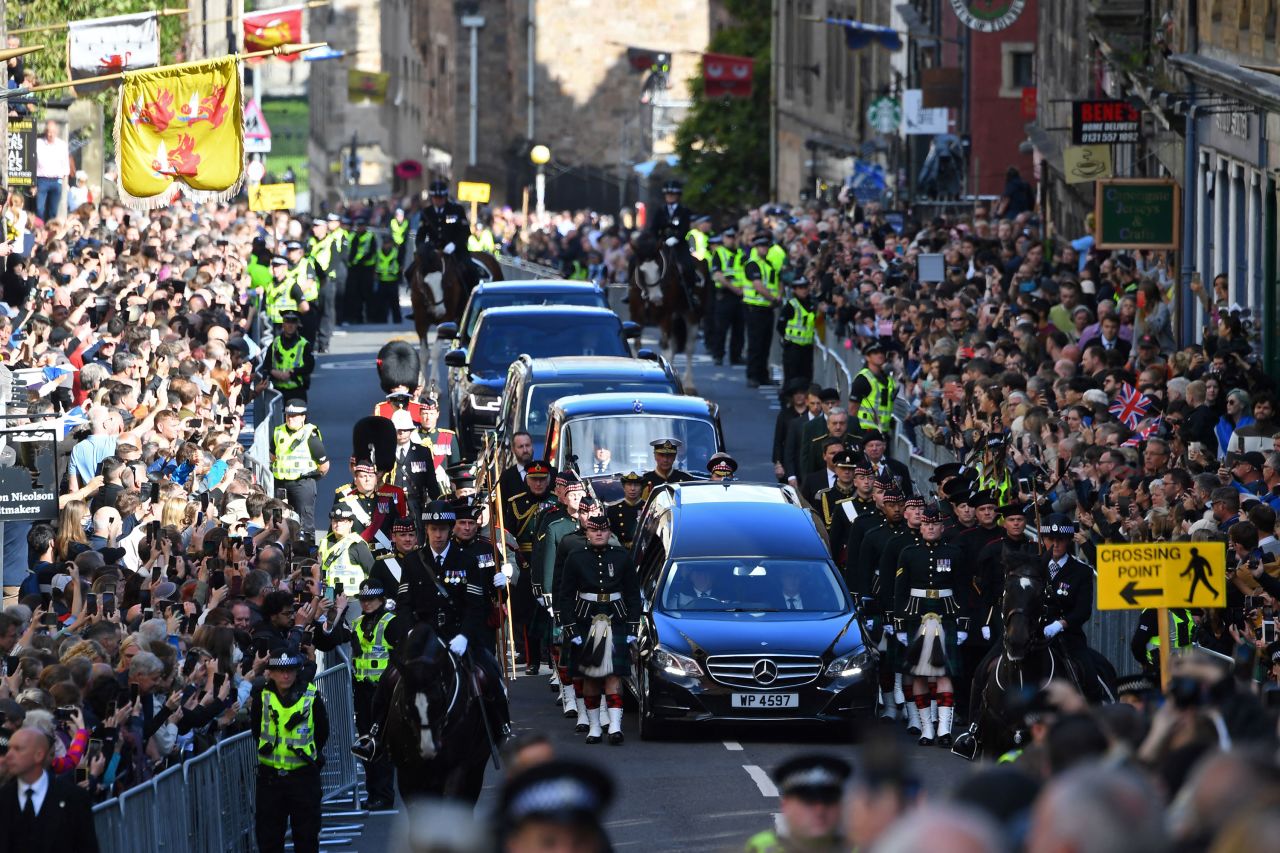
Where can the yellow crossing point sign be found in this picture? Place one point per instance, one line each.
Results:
(267, 197)
(473, 191)
(1162, 574)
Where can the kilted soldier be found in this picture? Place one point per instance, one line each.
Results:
(599, 607)
(928, 621)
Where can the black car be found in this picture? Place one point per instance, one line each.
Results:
(745, 615)
(505, 294)
(478, 373)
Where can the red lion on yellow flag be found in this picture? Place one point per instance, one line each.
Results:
(181, 125)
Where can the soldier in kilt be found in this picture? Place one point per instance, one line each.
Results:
(599, 606)
(928, 621)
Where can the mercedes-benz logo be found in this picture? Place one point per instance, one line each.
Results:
(765, 672)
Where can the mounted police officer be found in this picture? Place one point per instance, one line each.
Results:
(1070, 603)
(599, 609)
(624, 515)
(444, 226)
(298, 461)
(929, 623)
(291, 728)
(289, 360)
(670, 226)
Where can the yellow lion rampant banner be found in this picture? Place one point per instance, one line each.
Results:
(183, 126)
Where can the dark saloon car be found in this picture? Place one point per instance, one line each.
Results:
(745, 615)
(505, 294)
(478, 372)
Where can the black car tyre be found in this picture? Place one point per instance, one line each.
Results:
(650, 727)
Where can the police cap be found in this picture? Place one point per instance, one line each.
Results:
(295, 407)
(812, 777)
(371, 589)
(560, 791)
(439, 512)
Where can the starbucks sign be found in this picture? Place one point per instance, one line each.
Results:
(884, 114)
(988, 16)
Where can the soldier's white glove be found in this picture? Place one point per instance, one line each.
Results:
(577, 641)
(499, 580)
(458, 645)
(986, 633)
(902, 637)
(961, 636)
(1052, 630)
(630, 639)
(448, 249)
(671, 241)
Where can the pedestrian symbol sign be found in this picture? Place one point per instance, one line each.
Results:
(1162, 574)
(257, 134)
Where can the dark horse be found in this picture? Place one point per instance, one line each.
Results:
(657, 297)
(438, 293)
(435, 726)
(1025, 662)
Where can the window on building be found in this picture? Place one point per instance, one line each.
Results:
(1018, 68)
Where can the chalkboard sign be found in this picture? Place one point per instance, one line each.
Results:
(1137, 213)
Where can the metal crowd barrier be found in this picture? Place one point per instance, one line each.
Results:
(206, 805)
(338, 776)
(518, 268)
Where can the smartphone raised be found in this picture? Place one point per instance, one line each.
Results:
(91, 603)
(155, 495)
(219, 678)
(133, 693)
(108, 603)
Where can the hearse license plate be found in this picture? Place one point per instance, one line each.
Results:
(766, 700)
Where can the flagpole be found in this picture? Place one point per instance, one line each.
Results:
(8, 53)
(278, 50)
(165, 13)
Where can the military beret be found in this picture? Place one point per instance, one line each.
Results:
(1016, 508)
(984, 498)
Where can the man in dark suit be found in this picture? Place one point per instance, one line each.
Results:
(825, 477)
(512, 480)
(875, 445)
(415, 469)
(38, 812)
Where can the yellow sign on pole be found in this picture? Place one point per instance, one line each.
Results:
(473, 191)
(266, 197)
(1162, 574)
(1083, 163)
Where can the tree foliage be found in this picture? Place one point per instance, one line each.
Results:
(723, 143)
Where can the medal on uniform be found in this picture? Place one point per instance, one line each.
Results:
(944, 564)
(611, 570)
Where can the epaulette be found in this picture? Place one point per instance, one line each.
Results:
(516, 496)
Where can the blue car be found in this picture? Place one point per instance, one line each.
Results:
(746, 617)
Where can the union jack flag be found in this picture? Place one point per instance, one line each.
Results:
(1145, 432)
(1130, 406)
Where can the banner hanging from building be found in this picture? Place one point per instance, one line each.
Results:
(181, 125)
(727, 76)
(367, 86)
(272, 28)
(108, 45)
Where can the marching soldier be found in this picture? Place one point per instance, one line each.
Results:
(811, 787)
(289, 361)
(291, 727)
(528, 611)
(964, 517)
(345, 558)
(599, 611)
(721, 466)
(664, 465)
(929, 622)
(375, 506)
(361, 258)
(836, 505)
(373, 637)
(398, 368)
(554, 525)
(415, 470)
(761, 293)
(298, 461)
(467, 536)
(624, 515)
(443, 443)
(866, 521)
(876, 582)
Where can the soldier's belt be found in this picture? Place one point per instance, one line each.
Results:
(931, 593)
(591, 596)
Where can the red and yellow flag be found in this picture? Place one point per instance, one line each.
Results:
(273, 27)
(183, 125)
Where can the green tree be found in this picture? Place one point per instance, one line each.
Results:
(723, 143)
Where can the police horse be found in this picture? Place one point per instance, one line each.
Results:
(438, 292)
(657, 296)
(435, 724)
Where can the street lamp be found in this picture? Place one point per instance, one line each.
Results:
(540, 155)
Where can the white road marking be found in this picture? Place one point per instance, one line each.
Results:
(733, 746)
(762, 780)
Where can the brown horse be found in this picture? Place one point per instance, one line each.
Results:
(438, 293)
(657, 297)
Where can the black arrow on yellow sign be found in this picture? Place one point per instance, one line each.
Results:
(1131, 593)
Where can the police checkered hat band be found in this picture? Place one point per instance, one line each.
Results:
(371, 589)
(812, 777)
(439, 512)
(554, 796)
(1058, 525)
(284, 660)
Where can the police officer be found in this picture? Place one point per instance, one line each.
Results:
(761, 293)
(387, 269)
(291, 727)
(811, 787)
(320, 254)
(345, 558)
(340, 243)
(1070, 602)
(797, 324)
(443, 443)
(872, 393)
(1145, 643)
(929, 622)
(836, 504)
(664, 465)
(361, 262)
(624, 514)
(721, 466)
(444, 227)
(374, 636)
(283, 294)
(398, 226)
(375, 506)
(415, 470)
(725, 263)
(555, 805)
(298, 460)
(289, 361)
(302, 272)
(599, 609)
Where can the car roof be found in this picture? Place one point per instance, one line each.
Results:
(538, 285)
(595, 367)
(626, 402)
(742, 519)
(577, 312)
